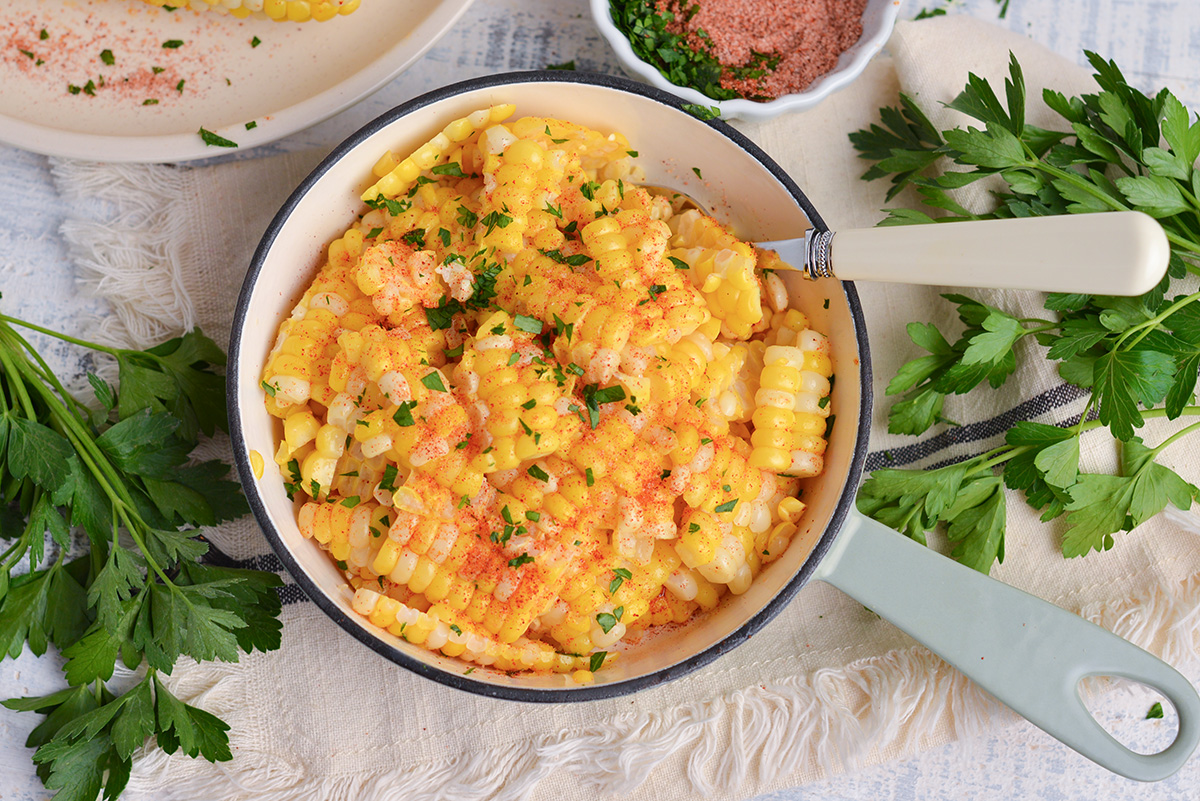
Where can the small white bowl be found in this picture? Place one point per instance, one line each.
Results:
(878, 19)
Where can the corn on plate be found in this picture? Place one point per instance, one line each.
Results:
(278, 10)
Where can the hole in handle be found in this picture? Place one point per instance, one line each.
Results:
(1137, 715)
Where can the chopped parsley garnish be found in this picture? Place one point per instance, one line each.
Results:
(172, 44)
(538, 473)
(454, 627)
(255, 42)
(513, 359)
(269, 388)
(213, 140)
(727, 506)
(606, 621)
(444, 235)
(523, 559)
(533, 516)
(466, 217)
(702, 113)
(495, 219)
(453, 169)
(434, 381)
(591, 479)
(566, 65)
(453, 353)
(250, 126)
(350, 502)
(823, 402)
(680, 264)
(415, 237)
(441, 316)
(588, 190)
(390, 473)
(403, 416)
(578, 260)
(394, 207)
(593, 396)
(555, 210)
(620, 574)
(597, 660)
(530, 324)
(107, 57)
(697, 171)
(179, 86)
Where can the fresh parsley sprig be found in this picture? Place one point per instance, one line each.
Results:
(1133, 358)
(122, 475)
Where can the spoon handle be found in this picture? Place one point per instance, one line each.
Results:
(1113, 253)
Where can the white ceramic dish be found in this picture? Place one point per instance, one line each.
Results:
(878, 19)
(298, 74)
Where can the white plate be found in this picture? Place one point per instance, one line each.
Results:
(298, 75)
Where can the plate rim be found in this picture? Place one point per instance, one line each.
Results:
(179, 147)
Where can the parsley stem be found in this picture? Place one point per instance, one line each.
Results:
(1148, 326)
(1077, 180)
(1010, 452)
(1184, 244)
(1181, 433)
(1084, 414)
(46, 374)
(13, 371)
(58, 335)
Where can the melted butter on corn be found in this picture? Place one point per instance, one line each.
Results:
(531, 411)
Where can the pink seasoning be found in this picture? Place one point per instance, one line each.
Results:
(802, 38)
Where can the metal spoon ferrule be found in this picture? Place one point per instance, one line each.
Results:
(818, 253)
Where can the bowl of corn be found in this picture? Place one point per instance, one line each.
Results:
(526, 428)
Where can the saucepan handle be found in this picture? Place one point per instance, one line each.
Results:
(1026, 652)
(1115, 253)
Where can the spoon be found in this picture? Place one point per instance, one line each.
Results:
(1109, 253)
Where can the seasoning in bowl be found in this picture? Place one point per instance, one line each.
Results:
(728, 49)
(532, 410)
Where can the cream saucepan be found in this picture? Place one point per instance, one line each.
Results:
(1028, 653)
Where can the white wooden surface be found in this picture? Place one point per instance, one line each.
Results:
(1156, 42)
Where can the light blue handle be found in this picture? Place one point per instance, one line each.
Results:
(1026, 652)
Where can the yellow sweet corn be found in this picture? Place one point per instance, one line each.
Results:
(278, 10)
(528, 409)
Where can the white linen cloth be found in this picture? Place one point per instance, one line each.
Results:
(827, 685)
